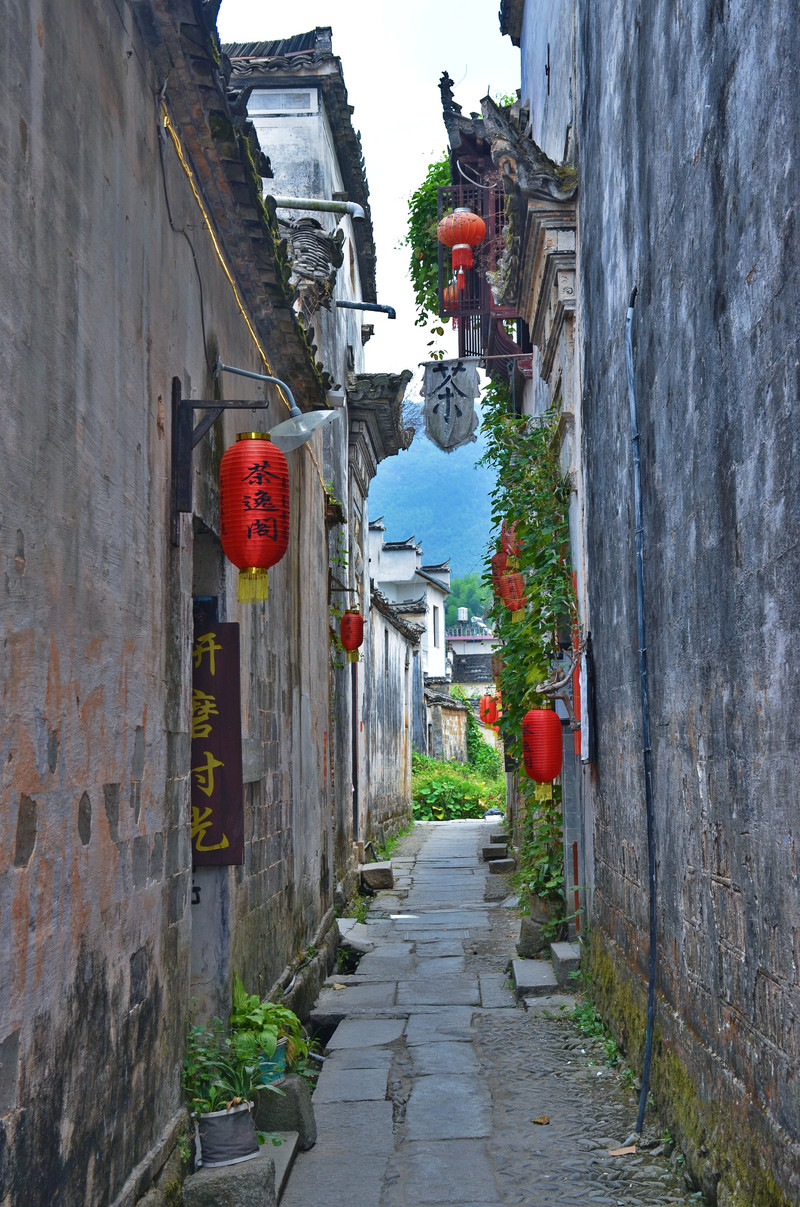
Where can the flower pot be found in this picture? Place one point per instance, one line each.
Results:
(273, 1068)
(227, 1137)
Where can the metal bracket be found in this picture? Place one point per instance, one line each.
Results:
(185, 437)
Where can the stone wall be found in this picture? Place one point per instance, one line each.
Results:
(688, 191)
(447, 727)
(387, 727)
(101, 308)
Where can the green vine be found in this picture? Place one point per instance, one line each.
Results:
(424, 248)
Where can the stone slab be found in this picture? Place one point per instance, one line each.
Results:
(439, 991)
(438, 965)
(496, 992)
(290, 1110)
(440, 1171)
(551, 1003)
(533, 977)
(248, 1184)
(448, 1107)
(377, 875)
(349, 1161)
(350, 1085)
(498, 836)
(283, 1156)
(360, 1058)
(439, 1025)
(500, 867)
(366, 1033)
(433, 948)
(532, 938)
(449, 1056)
(495, 850)
(566, 958)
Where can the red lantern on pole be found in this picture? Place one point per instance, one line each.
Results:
(542, 747)
(351, 632)
(461, 231)
(253, 510)
(487, 710)
(512, 593)
(449, 298)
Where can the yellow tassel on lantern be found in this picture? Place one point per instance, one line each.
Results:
(253, 585)
(516, 617)
(352, 656)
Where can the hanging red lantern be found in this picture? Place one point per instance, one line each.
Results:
(542, 746)
(512, 593)
(449, 298)
(509, 541)
(351, 632)
(499, 564)
(461, 231)
(487, 710)
(253, 510)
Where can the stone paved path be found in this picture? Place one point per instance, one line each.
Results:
(435, 1077)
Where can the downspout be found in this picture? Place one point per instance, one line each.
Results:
(321, 204)
(646, 751)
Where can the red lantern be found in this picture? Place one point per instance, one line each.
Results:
(449, 298)
(461, 231)
(512, 593)
(541, 744)
(351, 631)
(499, 565)
(253, 510)
(487, 710)
(509, 541)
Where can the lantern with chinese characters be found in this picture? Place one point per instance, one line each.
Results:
(487, 710)
(461, 231)
(542, 746)
(512, 593)
(253, 510)
(351, 632)
(499, 564)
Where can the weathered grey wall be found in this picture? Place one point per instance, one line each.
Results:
(688, 169)
(447, 730)
(100, 308)
(387, 726)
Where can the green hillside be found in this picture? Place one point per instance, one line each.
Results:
(441, 499)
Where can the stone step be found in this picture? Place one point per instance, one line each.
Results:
(501, 866)
(532, 978)
(498, 836)
(377, 876)
(283, 1155)
(495, 850)
(566, 959)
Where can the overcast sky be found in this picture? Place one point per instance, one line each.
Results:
(393, 55)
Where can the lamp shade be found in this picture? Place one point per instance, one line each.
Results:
(253, 510)
(351, 633)
(461, 231)
(542, 747)
(512, 593)
(487, 710)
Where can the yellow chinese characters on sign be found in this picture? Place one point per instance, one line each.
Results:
(217, 800)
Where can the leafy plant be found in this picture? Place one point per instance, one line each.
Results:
(423, 245)
(541, 855)
(219, 1069)
(254, 1020)
(445, 791)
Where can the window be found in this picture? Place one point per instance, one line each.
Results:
(435, 626)
(269, 101)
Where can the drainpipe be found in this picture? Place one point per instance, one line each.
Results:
(319, 203)
(646, 751)
(390, 310)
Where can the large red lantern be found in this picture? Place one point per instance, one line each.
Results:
(512, 593)
(449, 298)
(351, 632)
(461, 231)
(487, 710)
(542, 747)
(253, 510)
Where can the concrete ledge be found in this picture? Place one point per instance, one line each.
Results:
(502, 866)
(248, 1184)
(566, 958)
(533, 977)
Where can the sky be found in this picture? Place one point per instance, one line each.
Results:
(393, 55)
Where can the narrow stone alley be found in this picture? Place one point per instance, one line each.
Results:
(439, 1087)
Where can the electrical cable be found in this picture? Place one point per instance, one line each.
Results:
(646, 750)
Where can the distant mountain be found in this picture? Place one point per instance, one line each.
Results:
(441, 499)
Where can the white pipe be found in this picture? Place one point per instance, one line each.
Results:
(319, 203)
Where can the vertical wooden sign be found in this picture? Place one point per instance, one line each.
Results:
(217, 789)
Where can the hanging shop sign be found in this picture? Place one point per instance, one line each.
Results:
(451, 387)
(217, 789)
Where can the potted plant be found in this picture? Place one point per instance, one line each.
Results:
(221, 1073)
(276, 1029)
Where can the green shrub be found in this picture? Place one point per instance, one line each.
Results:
(447, 791)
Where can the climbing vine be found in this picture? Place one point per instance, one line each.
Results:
(532, 493)
(423, 246)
